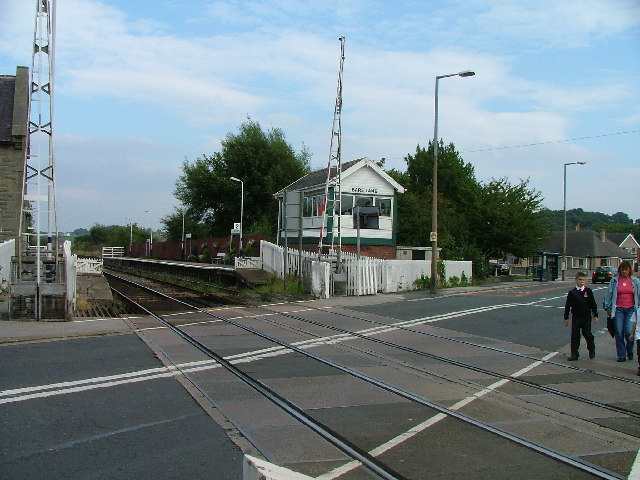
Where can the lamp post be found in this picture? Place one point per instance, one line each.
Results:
(564, 212)
(182, 237)
(150, 234)
(130, 233)
(434, 213)
(241, 206)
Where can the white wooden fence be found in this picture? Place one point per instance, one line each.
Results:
(7, 250)
(89, 265)
(248, 262)
(362, 275)
(113, 251)
(366, 276)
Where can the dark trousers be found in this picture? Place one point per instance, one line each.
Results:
(581, 325)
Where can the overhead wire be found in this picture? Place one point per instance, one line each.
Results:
(551, 141)
(537, 143)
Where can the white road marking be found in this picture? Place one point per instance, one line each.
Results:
(394, 442)
(62, 388)
(634, 474)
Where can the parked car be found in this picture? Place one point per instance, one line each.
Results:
(499, 269)
(603, 274)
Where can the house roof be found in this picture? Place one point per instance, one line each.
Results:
(620, 238)
(318, 178)
(585, 243)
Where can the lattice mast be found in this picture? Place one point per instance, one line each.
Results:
(38, 205)
(335, 152)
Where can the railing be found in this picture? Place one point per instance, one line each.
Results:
(113, 252)
(248, 262)
(362, 276)
(89, 265)
(366, 276)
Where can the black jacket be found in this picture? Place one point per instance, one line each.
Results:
(581, 304)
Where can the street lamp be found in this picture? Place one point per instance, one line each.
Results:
(130, 233)
(434, 213)
(241, 206)
(182, 237)
(564, 210)
(150, 234)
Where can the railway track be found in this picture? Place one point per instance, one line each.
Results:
(378, 357)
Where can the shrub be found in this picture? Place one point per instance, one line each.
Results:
(423, 283)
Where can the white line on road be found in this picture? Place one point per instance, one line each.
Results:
(62, 388)
(398, 440)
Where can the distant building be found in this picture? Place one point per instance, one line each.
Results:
(14, 140)
(587, 249)
(629, 243)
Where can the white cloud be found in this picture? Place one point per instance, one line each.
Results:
(556, 24)
(123, 71)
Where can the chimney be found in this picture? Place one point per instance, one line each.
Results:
(603, 235)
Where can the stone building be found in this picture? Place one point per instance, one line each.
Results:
(14, 139)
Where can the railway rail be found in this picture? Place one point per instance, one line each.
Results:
(351, 345)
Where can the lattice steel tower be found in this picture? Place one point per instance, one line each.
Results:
(37, 289)
(335, 155)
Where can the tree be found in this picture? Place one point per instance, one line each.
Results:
(589, 220)
(173, 225)
(618, 228)
(457, 194)
(475, 221)
(509, 219)
(621, 217)
(264, 161)
(108, 236)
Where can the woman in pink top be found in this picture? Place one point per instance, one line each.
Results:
(622, 301)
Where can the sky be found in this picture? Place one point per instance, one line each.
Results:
(142, 86)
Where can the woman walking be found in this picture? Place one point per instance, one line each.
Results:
(621, 301)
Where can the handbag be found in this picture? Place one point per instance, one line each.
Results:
(610, 326)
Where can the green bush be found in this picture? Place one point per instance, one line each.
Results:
(423, 283)
(205, 256)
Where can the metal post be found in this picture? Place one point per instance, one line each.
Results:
(241, 206)
(434, 213)
(358, 250)
(150, 234)
(130, 222)
(564, 225)
(182, 237)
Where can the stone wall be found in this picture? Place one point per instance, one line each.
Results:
(14, 118)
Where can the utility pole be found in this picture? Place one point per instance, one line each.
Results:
(38, 207)
(335, 154)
